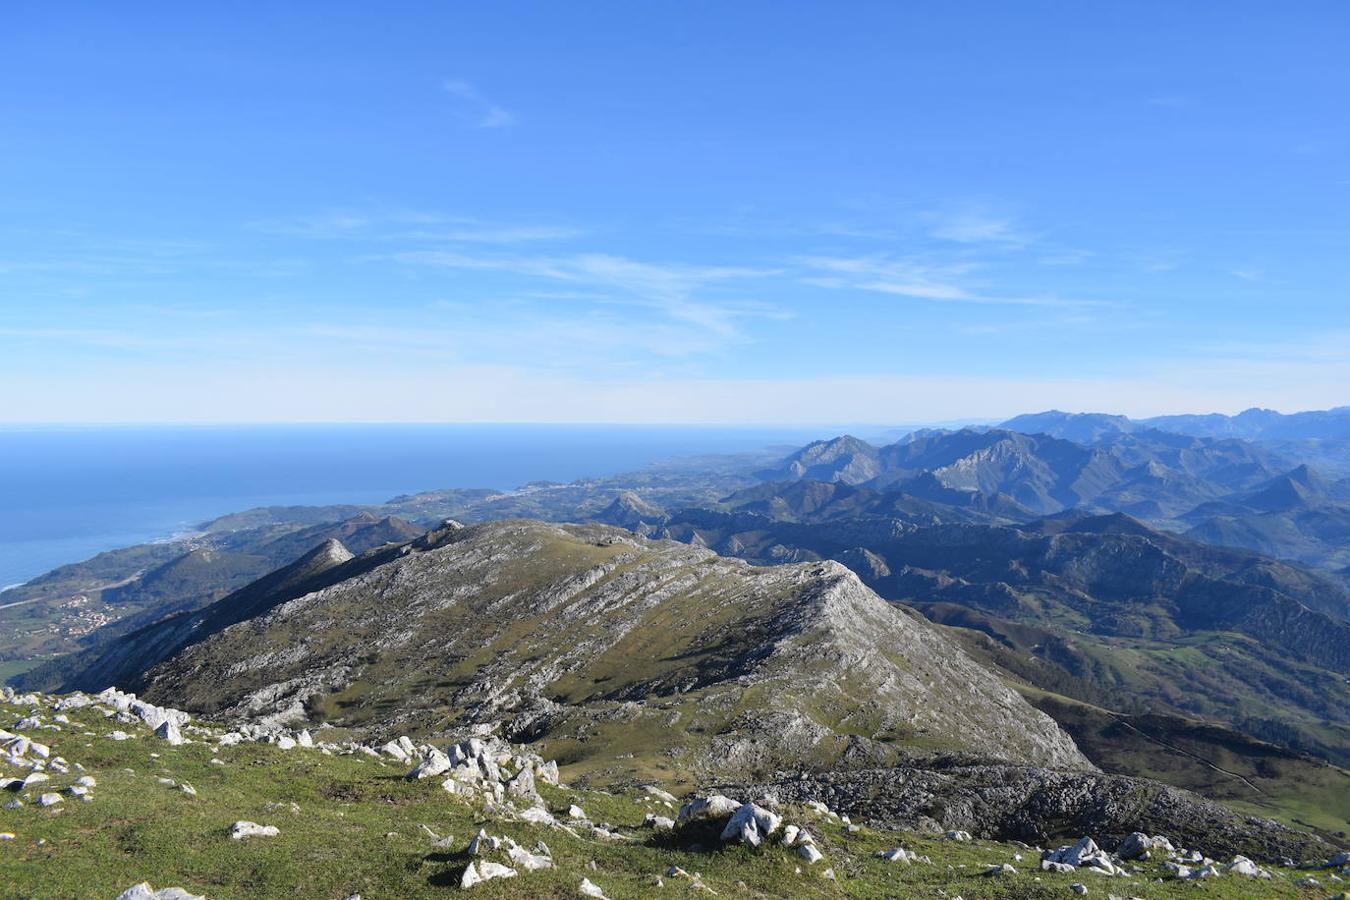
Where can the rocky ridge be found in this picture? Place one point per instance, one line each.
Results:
(565, 634)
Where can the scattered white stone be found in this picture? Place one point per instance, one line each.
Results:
(1083, 854)
(538, 815)
(86, 781)
(50, 800)
(1000, 869)
(433, 762)
(241, 830)
(659, 794)
(1080, 889)
(484, 870)
(482, 842)
(957, 836)
(576, 812)
(809, 853)
(589, 889)
(660, 823)
(1241, 865)
(898, 854)
(751, 824)
(168, 731)
(527, 860)
(144, 891)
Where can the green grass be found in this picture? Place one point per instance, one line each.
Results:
(357, 831)
(11, 667)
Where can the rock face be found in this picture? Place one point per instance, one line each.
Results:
(587, 633)
(1036, 806)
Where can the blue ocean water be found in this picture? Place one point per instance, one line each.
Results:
(69, 493)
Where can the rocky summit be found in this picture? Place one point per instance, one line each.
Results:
(625, 656)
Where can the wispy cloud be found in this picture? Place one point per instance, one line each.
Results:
(673, 289)
(415, 225)
(975, 227)
(477, 108)
(924, 281)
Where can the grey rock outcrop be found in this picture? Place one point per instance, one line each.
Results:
(1037, 805)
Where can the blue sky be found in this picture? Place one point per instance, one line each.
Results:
(671, 212)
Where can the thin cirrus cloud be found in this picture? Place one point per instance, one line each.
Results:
(475, 107)
(413, 225)
(979, 228)
(673, 289)
(917, 279)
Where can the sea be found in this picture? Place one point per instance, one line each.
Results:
(69, 493)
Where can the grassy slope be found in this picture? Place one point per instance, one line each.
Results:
(357, 830)
(1216, 762)
(1279, 784)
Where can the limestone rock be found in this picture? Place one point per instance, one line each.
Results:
(144, 891)
(589, 889)
(700, 809)
(751, 825)
(241, 830)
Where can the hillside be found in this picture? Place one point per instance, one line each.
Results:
(1113, 612)
(591, 642)
(317, 816)
(82, 604)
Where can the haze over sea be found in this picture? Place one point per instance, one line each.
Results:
(69, 493)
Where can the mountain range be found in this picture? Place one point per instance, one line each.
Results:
(1223, 491)
(1137, 600)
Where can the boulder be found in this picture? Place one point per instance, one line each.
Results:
(527, 860)
(241, 830)
(1083, 853)
(1137, 845)
(810, 854)
(1241, 865)
(589, 889)
(898, 854)
(751, 824)
(168, 731)
(144, 891)
(484, 870)
(522, 785)
(433, 762)
(700, 809)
